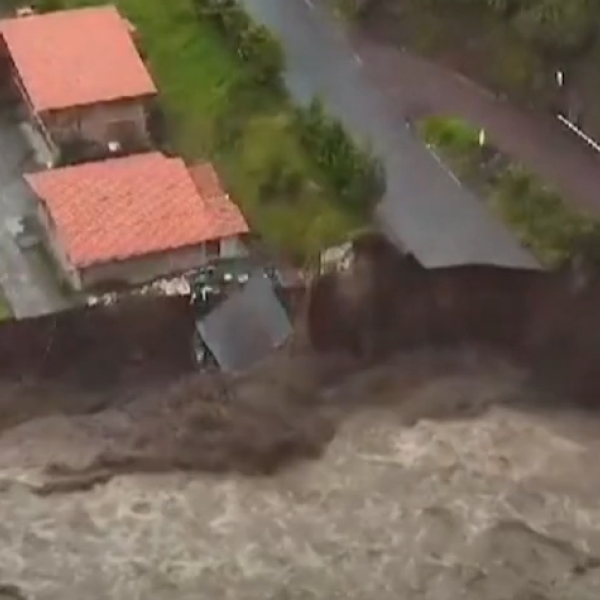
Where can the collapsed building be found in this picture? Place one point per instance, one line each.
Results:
(229, 315)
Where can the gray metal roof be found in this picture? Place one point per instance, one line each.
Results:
(441, 222)
(247, 326)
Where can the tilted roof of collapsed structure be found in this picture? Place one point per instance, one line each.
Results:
(247, 326)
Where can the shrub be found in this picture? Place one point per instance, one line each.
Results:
(450, 132)
(556, 26)
(352, 9)
(254, 43)
(554, 231)
(157, 125)
(261, 49)
(353, 172)
(44, 6)
(280, 181)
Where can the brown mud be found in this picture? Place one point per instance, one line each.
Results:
(385, 308)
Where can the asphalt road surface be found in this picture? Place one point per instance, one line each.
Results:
(425, 208)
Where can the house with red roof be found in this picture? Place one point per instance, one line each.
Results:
(79, 74)
(131, 220)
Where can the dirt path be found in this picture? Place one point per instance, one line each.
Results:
(413, 85)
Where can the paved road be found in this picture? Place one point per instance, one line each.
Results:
(26, 282)
(536, 139)
(424, 208)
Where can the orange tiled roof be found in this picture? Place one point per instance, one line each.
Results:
(211, 190)
(76, 57)
(126, 207)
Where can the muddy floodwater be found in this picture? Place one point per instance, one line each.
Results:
(423, 478)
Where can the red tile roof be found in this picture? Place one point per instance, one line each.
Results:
(126, 207)
(76, 57)
(211, 190)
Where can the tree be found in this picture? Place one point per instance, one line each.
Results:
(558, 26)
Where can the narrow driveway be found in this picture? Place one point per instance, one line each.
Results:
(27, 282)
(425, 209)
(536, 139)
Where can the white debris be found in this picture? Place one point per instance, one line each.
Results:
(177, 286)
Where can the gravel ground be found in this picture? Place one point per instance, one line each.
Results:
(408, 501)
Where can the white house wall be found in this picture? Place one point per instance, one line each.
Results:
(232, 247)
(137, 271)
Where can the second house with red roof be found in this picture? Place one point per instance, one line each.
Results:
(126, 221)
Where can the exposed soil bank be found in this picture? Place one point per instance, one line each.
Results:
(544, 321)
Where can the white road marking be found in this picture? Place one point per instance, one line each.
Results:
(444, 165)
(588, 140)
(309, 4)
(358, 59)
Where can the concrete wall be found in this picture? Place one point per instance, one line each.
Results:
(96, 122)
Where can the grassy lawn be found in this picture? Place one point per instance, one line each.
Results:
(246, 130)
(536, 212)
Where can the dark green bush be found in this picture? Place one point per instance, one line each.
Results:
(444, 131)
(157, 124)
(552, 229)
(560, 28)
(254, 43)
(353, 172)
(259, 47)
(45, 6)
(280, 181)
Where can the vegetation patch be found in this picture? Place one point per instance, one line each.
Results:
(219, 78)
(356, 176)
(350, 9)
(5, 310)
(512, 47)
(554, 27)
(552, 229)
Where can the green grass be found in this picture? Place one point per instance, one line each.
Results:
(216, 114)
(542, 220)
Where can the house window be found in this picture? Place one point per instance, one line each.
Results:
(213, 249)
